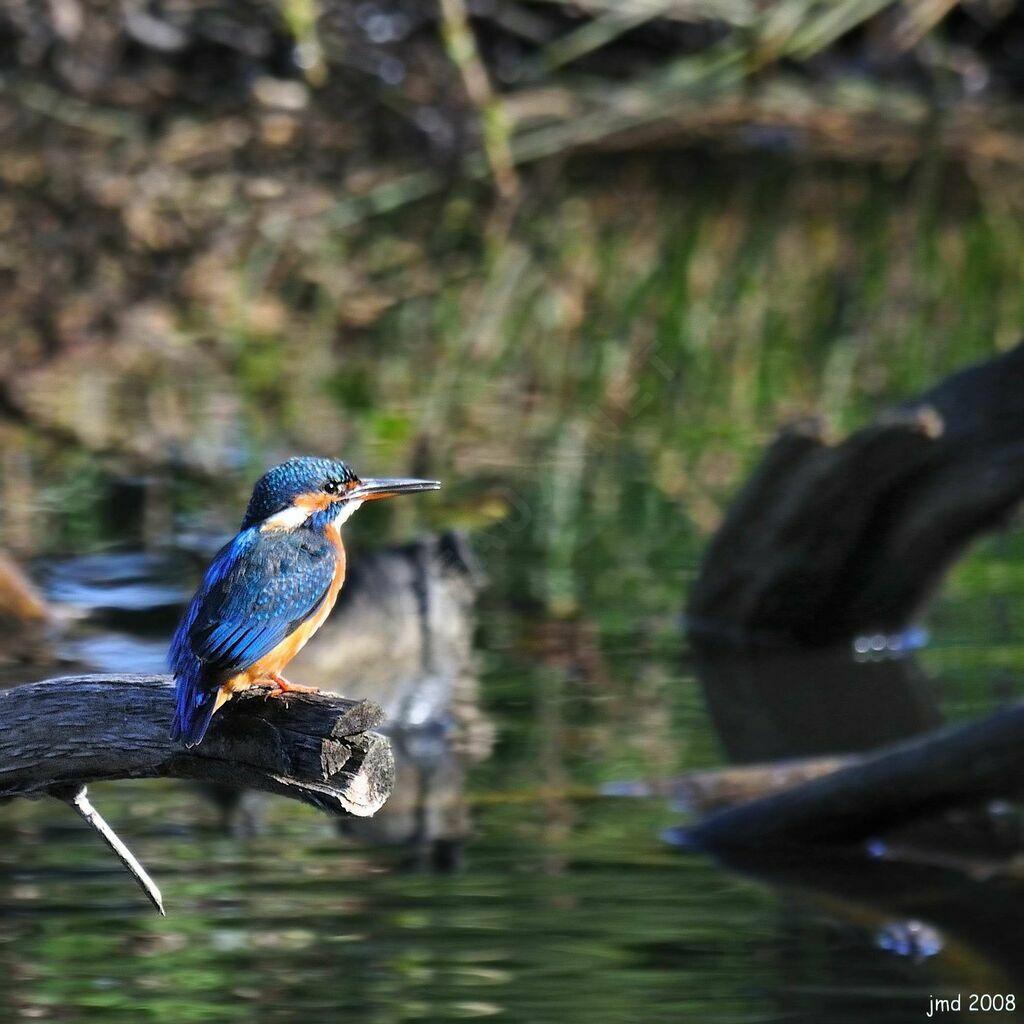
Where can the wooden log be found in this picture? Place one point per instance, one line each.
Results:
(317, 748)
(59, 734)
(900, 784)
(830, 541)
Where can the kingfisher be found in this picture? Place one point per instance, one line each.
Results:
(270, 588)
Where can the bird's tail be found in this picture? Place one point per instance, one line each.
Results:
(195, 708)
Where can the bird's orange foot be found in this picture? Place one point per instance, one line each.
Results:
(282, 686)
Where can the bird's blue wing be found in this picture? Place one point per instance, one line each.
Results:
(257, 591)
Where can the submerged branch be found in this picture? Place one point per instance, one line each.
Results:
(900, 784)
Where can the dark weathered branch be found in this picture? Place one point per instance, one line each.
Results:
(829, 541)
(57, 735)
(79, 729)
(900, 784)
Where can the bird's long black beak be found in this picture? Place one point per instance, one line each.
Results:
(371, 490)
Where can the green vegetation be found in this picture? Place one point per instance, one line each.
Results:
(591, 379)
(692, 246)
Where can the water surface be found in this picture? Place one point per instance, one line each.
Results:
(591, 394)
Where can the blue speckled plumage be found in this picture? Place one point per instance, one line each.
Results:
(259, 588)
(269, 589)
(276, 489)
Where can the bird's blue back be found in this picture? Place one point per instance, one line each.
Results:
(258, 590)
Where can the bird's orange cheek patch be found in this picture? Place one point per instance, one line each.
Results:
(314, 502)
(298, 512)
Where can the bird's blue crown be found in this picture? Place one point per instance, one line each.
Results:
(279, 487)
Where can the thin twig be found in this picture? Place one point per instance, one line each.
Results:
(80, 802)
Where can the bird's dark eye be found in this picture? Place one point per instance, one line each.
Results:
(332, 486)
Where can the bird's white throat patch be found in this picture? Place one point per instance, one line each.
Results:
(346, 511)
(295, 515)
(287, 519)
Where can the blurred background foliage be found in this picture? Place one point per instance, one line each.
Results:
(234, 229)
(577, 260)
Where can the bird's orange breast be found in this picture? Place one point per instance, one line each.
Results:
(283, 653)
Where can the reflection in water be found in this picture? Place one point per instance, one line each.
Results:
(117, 609)
(913, 939)
(946, 888)
(968, 920)
(609, 358)
(312, 931)
(117, 587)
(401, 635)
(773, 705)
(569, 911)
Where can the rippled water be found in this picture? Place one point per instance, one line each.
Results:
(591, 386)
(561, 904)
